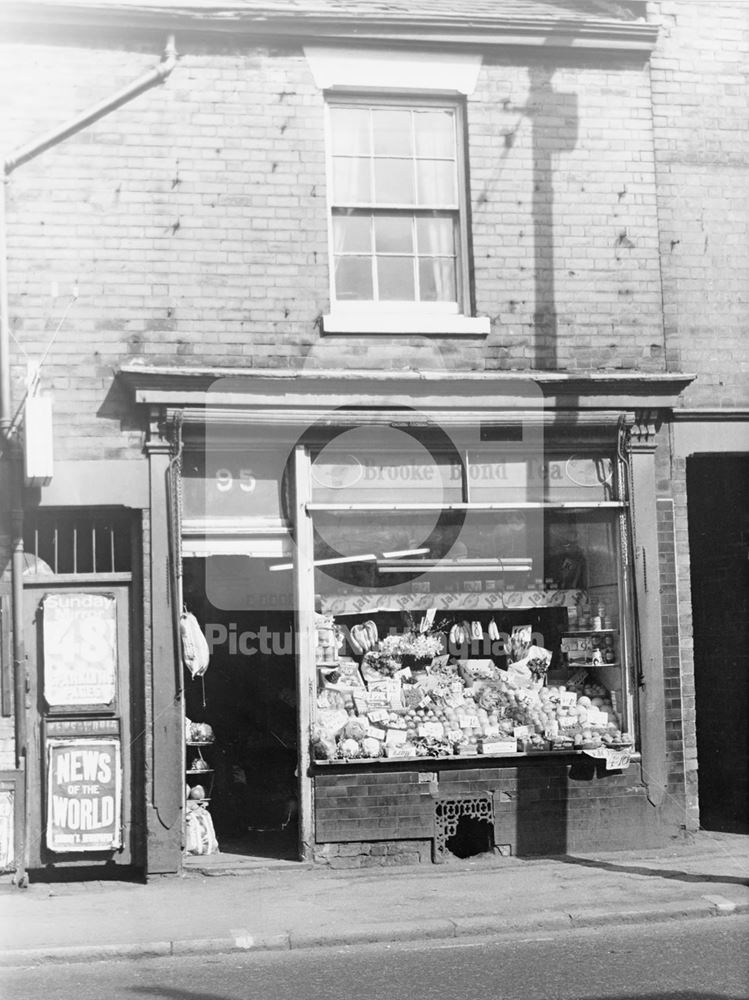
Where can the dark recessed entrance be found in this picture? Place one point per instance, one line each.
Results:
(718, 503)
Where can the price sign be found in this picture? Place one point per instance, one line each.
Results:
(616, 760)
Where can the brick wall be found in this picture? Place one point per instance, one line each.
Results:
(564, 221)
(194, 221)
(541, 806)
(700, 71)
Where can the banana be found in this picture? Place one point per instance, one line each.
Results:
(353, 638)
(493, 630)
(477, 631)
(360, 636)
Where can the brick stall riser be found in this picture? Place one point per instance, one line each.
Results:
(540, 807)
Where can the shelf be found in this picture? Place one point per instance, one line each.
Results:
(590, 666)
(591, 631)
(199, 743)
(432, 763)
(204, 770)
(447, 602)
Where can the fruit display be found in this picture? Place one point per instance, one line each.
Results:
(405, 696)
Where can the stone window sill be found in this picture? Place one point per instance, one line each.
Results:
(435, 325)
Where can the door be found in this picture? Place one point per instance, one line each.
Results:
(79, 711)
(718, 504)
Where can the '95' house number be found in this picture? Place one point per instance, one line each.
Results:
(226, 480)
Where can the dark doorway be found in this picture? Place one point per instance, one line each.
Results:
(248, 699)
(718, 503)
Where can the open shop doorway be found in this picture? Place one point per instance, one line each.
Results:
(247, 698)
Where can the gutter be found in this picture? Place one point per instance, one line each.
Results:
(306, 23)
(8, 443)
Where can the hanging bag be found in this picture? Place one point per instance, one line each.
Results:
(195, 652)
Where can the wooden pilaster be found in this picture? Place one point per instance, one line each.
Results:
(652, 699)
(164, 812)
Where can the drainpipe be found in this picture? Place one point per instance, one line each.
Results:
(8, 446)
(29, 152)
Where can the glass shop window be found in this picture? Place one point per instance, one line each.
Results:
(487, 627)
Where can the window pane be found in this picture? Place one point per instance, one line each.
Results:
(394, 182)
(351, 180)
(435, 236)
(437, 279)
(350, 131)
(396, 278)
(353, 278)
(435, 133)
(393, 234)
(436, 181)
(352, 234)
(392, 132)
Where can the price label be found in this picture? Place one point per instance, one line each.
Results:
(616, 760)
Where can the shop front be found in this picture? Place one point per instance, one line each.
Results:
(432, 617)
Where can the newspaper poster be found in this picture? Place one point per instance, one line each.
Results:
(84, 795)
(80, 649)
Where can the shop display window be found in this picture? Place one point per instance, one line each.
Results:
(493, 624)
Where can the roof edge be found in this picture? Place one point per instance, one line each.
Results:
(445, 31)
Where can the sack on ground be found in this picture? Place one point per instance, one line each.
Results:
(200, 836)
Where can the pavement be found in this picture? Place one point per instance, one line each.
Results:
(220, 908)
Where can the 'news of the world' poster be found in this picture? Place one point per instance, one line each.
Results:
(84, 780)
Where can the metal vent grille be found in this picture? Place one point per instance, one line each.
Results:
(77, 543)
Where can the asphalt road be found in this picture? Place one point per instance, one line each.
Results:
(691, 960)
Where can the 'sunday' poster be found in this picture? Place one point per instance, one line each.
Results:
(80, 649)
(84, 782)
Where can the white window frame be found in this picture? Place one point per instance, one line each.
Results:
(406, 317)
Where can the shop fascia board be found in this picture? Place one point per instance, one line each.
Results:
(232, 395)
(417, 31)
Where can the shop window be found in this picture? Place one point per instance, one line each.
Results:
(398, 235)
(492, 625)
(77, 542)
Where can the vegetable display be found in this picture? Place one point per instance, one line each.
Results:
(409, 695)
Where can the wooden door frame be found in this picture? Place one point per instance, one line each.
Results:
(35, 588)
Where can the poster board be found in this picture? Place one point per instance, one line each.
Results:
(84, 794)
(80, 649)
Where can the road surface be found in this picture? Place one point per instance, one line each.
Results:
(689, 960)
